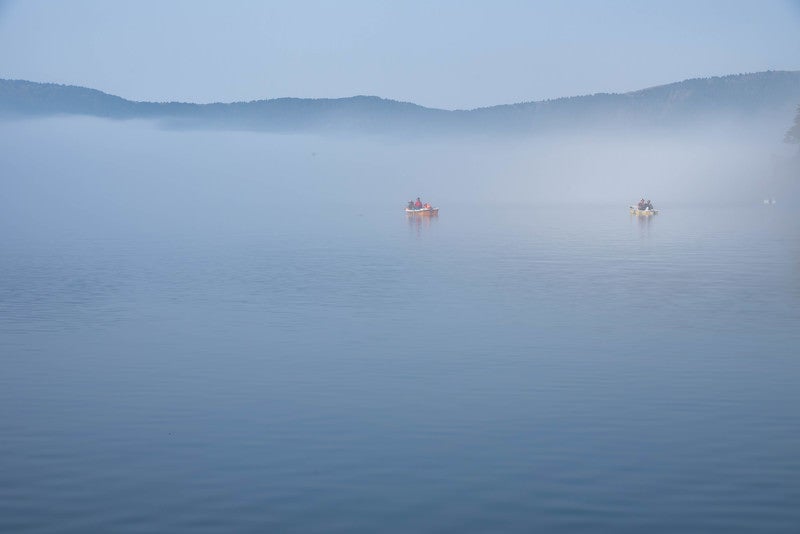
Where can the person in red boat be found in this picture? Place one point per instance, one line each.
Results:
(418, 204)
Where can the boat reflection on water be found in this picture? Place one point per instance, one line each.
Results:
(643, 222)
(643, 213)
(417, 221)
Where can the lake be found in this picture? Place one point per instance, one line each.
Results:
(345, 368)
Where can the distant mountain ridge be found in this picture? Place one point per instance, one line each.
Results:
(769, 95)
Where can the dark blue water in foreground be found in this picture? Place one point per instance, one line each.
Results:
(518, 369)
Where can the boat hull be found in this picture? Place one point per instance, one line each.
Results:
(645, 213)
(423, 211)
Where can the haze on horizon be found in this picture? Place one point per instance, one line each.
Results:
(130, 179)
(449, 54)
(165, 178)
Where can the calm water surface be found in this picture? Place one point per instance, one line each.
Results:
(511, 369)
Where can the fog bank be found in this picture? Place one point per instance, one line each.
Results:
(92, 176)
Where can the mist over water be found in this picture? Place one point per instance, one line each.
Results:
(94, 176)
(236, 331)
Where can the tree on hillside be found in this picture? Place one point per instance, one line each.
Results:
(793, 135)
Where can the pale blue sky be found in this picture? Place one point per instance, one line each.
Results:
(449, 54)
